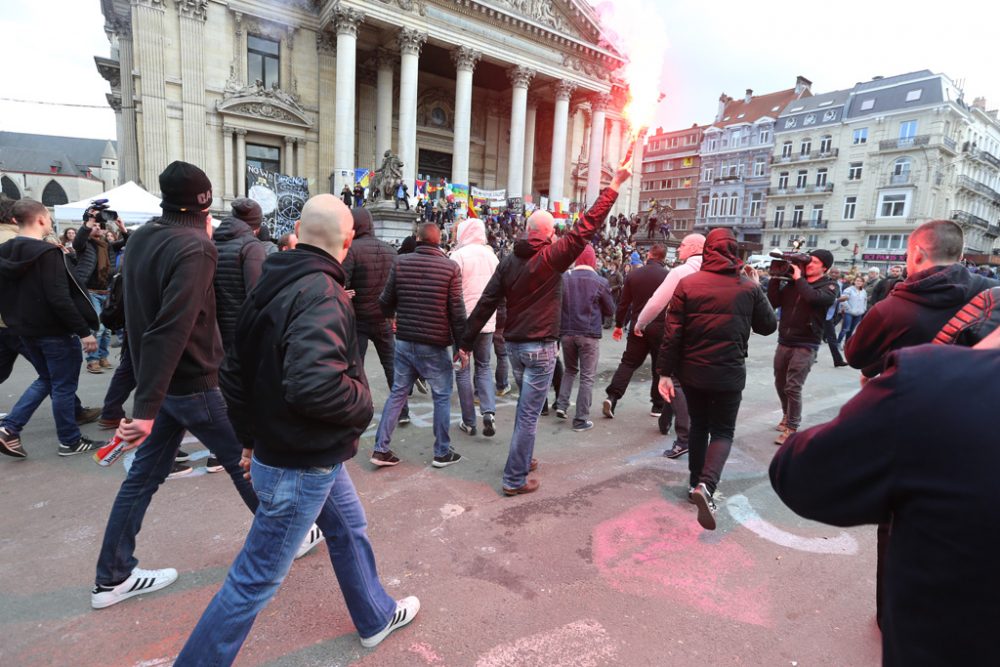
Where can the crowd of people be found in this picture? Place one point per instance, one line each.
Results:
(258, 349)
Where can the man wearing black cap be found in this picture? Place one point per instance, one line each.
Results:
(176, 352)
(804, 300)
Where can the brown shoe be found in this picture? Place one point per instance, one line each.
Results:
(108, 424)
(88, 415)
(94, 367)
(105, 363)
(782, 425)
(530, 486)
(534, 465)
(784, 435)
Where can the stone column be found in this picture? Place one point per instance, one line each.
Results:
(560, 121)
(386, 60)
(192, 29)
(347, 41)
(147, 20)
(227, 163)
(241, 162)
(465, 62)
(288, 157)
(128, 148)
(326, 45)
(520, 79)
(300, 154)
(410, 42)
(239, 67)
(598, 104)
(529, 146)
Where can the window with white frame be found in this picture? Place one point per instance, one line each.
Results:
(786, 149)
(913, 95)
(821, 176)
(812, 241)
(756, 198)
(703, 208)
(797, 214)
(759, 165)
(860, 136)
(887, 241)
(907, 130)
(893, 204)
(707, 174)
(714, 210)
(669, 165)
(854, 171)
(765, 135)
(867, 105)
(683, 204)
(901, 170)
(802, 178)
(816, 215)
(850, 207)
(826, 144)
(733, 204)
(805, 147)
(779, 216)
(713, 143)
(783, 180)
(775, 240)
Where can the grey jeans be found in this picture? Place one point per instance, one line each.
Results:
(791, 368)
(580, 354)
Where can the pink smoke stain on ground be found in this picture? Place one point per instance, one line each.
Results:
(659, 550)
(426, 652)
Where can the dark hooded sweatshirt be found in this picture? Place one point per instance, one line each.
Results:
(710, 318)
(294, 383)
(803, 309)
(912, 314)
(367, 265)
(39, 295)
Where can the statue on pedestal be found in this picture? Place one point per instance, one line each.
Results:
(386, 177)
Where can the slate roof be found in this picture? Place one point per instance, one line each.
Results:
(758, 107)
(37, 152)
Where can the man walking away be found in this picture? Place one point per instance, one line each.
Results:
(296, 389)
(586, 301)
(41, 302)
(241, 260)
(705, 344)
(530, 279)
(424, 295)
(477, 262)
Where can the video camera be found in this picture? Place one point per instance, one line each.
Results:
(781, 263)
(100, 209)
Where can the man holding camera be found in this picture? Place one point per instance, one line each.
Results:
(804, 296)
(94, 270)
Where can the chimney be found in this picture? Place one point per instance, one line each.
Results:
(802, 85)
(723, 101)
(749, 94)
(979, 103)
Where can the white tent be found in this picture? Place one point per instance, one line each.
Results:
(134, 205)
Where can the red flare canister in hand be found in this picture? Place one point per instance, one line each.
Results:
(111, 452)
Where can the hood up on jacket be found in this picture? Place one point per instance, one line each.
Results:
(721, 254)
(941, 286)
(526, 248)
(363, 222)
(471, 232)
(284, 268)
(19, 254)
(231, 228)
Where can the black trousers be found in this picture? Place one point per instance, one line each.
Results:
(637, 348)
(713, 421)
(122, 384)
(10, 347)
(830, 336)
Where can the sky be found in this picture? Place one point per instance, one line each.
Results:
(708, 48)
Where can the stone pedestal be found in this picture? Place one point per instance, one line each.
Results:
(391, 224)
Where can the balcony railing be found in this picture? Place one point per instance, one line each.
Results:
(818, 224)
(973, 185)
(899, 179)
(904, 143)
(736, 178)
(807, 157)
(799, 191)
(993, 230)
(969, 219)
(981, 155)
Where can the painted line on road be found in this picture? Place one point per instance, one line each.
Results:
(741, 511)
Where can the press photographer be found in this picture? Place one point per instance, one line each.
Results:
(800, 287)
(95, 268)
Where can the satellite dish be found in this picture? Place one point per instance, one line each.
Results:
(845, 242)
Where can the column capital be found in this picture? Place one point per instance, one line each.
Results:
(228, 129)
(120, 26)
(348, 20)
(386, 58)
(564, 90)
(194, 9)
(241, 131)
(326, 44)
(156, 4)
(465, 58)
(533, 101)
(289, 140)
(520, 77)
(600, 102)
(411, 41)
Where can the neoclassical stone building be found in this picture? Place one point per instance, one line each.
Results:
(514, 94)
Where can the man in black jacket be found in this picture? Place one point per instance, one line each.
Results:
(241, 259)
(530, 279)
(880, 460)
(804, 300)
(424, 296)
(709, 321)
(41, 302)
(94, 269)
(639, 286)
(297, 392)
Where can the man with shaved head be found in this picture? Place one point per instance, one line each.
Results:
(297, 392)
(530, 279)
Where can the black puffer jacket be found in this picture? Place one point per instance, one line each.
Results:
(424, 294)
(531, 280)
(241, 259)
(294, 384)
(710, 318)
(639, 286)
(803, 309)
(912, 314)
(367, 265)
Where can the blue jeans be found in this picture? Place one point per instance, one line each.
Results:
(533, 362)
(580, 354)
(103, 334)
(57, 361)
(291, 500)
(503, 363)
(847, 328)
(412, 361)
(204, 415)
(484, 383)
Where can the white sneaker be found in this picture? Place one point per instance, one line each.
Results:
(406, 610)
(139, 582)
(314, 537)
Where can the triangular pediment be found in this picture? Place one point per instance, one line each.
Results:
(573, 18)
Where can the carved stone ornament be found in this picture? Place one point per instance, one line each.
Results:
(436, 109)
(261, 102)
(327, 43)
(158, 4)
(385, 58)
(114, 101)
(196, 9)
(410, 40)
(591, 69)
(408, 6)
(121, 26)
(520, 77)
(564, 90)
(348, 20)
(600, 102)
(540, 11)
(465, 58)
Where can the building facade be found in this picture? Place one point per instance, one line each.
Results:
(56, 170)
(495, 94)
(736, 161)
(671, 165)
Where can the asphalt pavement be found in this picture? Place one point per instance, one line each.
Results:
(604, 565)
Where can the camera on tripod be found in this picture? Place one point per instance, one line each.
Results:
(781, 263)
(100, 209)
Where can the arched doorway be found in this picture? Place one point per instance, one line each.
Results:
(54, 195)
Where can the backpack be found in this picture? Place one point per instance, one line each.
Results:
(113, 313)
